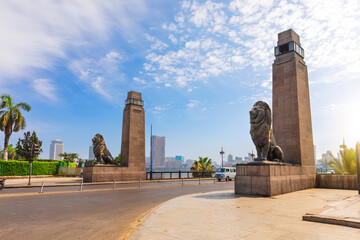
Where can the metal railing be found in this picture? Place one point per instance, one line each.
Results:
(178, 174)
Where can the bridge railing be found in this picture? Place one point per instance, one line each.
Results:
(178, 174)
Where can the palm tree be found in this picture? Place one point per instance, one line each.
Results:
(69, 157)
(11, 118)
(347, 164)
(203, 165)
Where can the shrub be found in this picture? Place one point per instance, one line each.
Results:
(21, 168)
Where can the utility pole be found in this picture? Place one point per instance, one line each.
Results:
(222, 157)
(151, 160)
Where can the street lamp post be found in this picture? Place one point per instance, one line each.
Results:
(222, 157)
(151, 160)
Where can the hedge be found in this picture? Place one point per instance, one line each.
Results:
(21, 168)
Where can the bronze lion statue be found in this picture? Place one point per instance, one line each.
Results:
(261, 133)
(100, 150)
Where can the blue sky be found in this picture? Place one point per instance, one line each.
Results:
(200, 66)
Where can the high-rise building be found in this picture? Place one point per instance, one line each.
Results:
(56, 147)
(91, 153)
(230, 158)
(158, 151)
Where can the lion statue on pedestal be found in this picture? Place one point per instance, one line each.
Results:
(100, 150)
(261, 133)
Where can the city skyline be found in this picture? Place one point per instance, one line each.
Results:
(200, 66)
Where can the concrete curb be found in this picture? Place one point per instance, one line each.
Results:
(103, 183)
(332, 220)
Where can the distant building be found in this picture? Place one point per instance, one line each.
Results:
(56, 147)
(189, 162)
(176, 164)
(315, 153)
(179, 158)
(91, 152)
(230, 158)
(238, 159)
(326, 156)
(158, 151)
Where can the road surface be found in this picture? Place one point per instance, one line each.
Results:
(98, 212)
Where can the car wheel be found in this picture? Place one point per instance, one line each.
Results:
(219, 179)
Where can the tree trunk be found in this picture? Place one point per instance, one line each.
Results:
(6, 143)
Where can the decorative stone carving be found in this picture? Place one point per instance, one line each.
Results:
(100, 150)
(261, 133)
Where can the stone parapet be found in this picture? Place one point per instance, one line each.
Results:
(111, 173)
(270, 180)
(337, 181)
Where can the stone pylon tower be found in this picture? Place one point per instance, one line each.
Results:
(133, 134)
(291, 102)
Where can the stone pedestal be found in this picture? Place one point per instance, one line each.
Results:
(269, 180)
(106, 173)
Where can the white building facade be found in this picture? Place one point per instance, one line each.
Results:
(56, 147)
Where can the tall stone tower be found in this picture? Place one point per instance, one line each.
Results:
(291, 102)
(133, 134)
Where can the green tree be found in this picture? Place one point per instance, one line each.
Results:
(118, 159)
(69, 157)
(23, 145)
(347, 164)
(11, 153)
(204, 165)
(11, 119)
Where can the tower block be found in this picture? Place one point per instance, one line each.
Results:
(133, 133)
(291, 102)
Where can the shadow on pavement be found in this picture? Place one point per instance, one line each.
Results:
(223, 195)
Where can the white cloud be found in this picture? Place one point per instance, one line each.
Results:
(192, 103)
(38, 33)
(156, 43)
(101, 74)
(217, 39)
(45, 88)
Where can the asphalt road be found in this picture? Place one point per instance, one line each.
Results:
(96, 213)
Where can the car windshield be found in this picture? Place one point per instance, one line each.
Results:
(221, 170)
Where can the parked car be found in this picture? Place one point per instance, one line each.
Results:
(226, 173)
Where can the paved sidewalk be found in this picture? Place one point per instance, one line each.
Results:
(48, 181)
(224, 215)
(345, 212)
(75, 181)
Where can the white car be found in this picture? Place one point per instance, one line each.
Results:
(226, 173)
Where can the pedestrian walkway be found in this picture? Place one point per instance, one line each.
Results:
(345, 212)
(48, 181)
(224, 215)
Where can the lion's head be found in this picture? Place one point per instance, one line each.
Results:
(260, 113)
(98, 139)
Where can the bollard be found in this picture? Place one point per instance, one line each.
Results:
(214, 180)
(81, 185)
(139, 182)
(182, 182)
(199, 181)
(114, 186)
(42, 187)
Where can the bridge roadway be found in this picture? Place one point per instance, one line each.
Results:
(98, 212)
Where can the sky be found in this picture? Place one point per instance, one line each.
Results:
(200, 66)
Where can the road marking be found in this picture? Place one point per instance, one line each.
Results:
(92, 190)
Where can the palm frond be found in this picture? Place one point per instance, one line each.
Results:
(23, 106)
